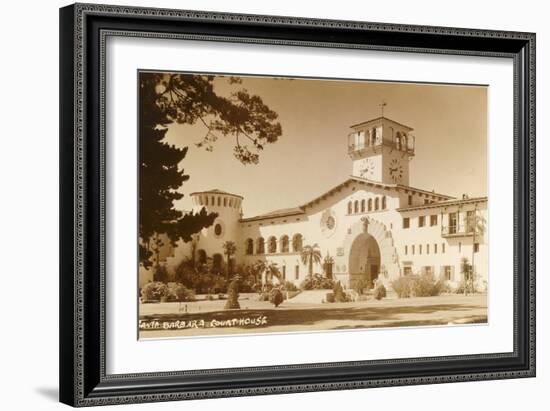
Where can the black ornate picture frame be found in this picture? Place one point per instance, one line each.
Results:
(83, 32)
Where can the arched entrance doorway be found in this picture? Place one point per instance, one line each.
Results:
(364, 260)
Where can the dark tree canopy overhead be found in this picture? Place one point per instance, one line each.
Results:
(190, 98)
(183, 98)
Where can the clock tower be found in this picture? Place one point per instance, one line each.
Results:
(381, 150)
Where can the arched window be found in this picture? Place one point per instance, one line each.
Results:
(362, 206)
(356, 206)
(217, 263)
(376, 203)
(260, 247)
(225, 201)
(349, 207)
(297, 243)
(219, 201)
(213, 201)
(370, 204)
(398, 141)
(383, 202)
(201, 256)
(272, 245)
(231, 202)
(206, 200)
(249, 246)
(284, 244)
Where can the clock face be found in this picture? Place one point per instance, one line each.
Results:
(366, 168)
(396, 170)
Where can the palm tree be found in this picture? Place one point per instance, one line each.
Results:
(270, 269)
(229, 249)
(311, 254)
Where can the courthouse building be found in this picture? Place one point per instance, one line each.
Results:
(375, 224)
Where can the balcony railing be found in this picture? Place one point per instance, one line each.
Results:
(357, 146)
(459, 230)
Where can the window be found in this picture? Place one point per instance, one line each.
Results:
(427, 249)
(297, 272)
(459, 247)
(356, 206)
(442, 248)
(231, 202)
(410, 202)
(284, 244)
(433, 220)
(452, 223)
(435, 248)
(217, 260)
(406, 250)
(476, 247)
(284, 272)
(406, 222)
(383, 202)
(225, 202)
(426, 201)
(447, 273)
(376, 203)
(349, 207)
(260, 248)
(206, 200)
(362, 206)
(427, 270)
(421, 221)
(213, 200)
(219, 201)
(201, 254)
(412, 249)
(470, 221)
(249, 246)
(370, 204)
(407, 270)
(420, 249)
(297, 241)
(218, 230)
(272, 245)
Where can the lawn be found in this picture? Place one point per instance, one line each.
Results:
(209, 317)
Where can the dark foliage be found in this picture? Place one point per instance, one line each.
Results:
(232, 296)
(182, 98)
(276, 297)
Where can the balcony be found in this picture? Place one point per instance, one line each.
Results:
(459, 230)
(359, 145)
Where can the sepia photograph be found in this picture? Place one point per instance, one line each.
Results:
(285, 204)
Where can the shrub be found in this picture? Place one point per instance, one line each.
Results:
(160, 273)
(403, 286)
(317, 282)
(290, 286)
(464, 287)
(154, 291)
(339, 294)
(178, 292)
(380, 292)
(426, 285)
(232, 296)
(359, 286)
(276, 297)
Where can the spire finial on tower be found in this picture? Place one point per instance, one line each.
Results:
(382, 105)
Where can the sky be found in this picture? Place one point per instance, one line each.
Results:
(449, 122)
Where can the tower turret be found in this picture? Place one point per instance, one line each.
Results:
(381, 150)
